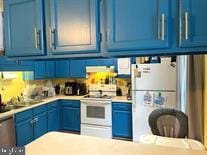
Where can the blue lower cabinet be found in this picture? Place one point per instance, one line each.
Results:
(24, 132)
(30, 125)
(40, 125)
(24, 127)
(71, 115)
(53, 117)
(122, 120)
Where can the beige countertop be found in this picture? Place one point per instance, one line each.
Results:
(55, 98)
(55, 143)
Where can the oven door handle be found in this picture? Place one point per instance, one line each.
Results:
(95, 102)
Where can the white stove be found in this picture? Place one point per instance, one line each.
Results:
(96, 111)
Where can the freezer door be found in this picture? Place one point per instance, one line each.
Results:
(160, 77)
(144, 102)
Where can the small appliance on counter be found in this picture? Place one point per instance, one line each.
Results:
(81, 89)
(70, 88)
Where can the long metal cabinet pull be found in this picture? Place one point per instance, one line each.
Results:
(52, 37)
(36, 39)
(186, 26)
(163, 27)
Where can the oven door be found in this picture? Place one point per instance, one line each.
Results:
(96, 113)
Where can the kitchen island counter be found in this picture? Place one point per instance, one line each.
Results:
(55, 143)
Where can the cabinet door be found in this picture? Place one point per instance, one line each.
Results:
(77, 69)
(137, 24)
(24, 132)
(62, 68)
(53, 121)
(50, 69)
(74, 26)
(39, 70)
(193, 23)
(100, 62)
(40, 125)
(71, 118)
(122, 124)
(24, 27)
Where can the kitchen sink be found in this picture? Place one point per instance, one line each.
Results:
(15, 106)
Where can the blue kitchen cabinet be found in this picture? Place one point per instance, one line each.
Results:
(71, 115)
(24, 133)
(23, 25)
(24, 128)
(30, 124)
(53, 116)
(40, 125)
(194, 26)
(15, 65)
(62, 68)
(78, 69)
(44, 69)
(74, 26)
(137, 24)
(100, 62)
(122, 120)
(50, 68)
(39, 70)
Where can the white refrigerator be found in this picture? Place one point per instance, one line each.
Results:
(153, 86)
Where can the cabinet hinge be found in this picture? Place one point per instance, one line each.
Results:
(100, 37)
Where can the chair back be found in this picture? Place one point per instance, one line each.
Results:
(169, 123)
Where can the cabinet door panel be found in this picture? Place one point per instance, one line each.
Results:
(77, 69)
(122, 124)
(40, 126)
(53, 119)
(39, 70)
(62, 68)
(75, 26)
(24, 132)
(137, 24)
(194, 24)
(71, 119)
(50, 69)
(24, 27)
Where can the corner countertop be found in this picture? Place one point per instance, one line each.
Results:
(55, 98)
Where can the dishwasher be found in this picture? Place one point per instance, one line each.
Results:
(7, 132)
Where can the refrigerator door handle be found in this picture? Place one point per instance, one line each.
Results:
(134, 101)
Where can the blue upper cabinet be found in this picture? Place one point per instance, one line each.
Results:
(194, 24)
(62, 68)
(23, 27)
(137, 24)
(74, 26)
(101, 62)
(39, 68)
(78, 69)
(50, 68)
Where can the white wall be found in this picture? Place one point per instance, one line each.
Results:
(1, 5)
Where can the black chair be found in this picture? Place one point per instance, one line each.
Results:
(169, 123)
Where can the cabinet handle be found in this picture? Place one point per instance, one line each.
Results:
(37, 38)
(32, 121)
(186, 26)
(52, 37)
(163, 27)
(35, 35)
(36, 119)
